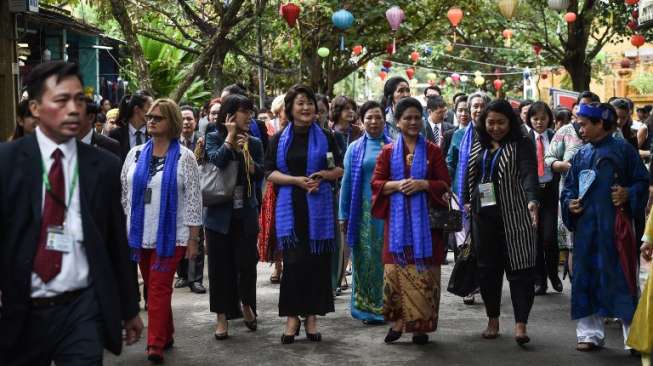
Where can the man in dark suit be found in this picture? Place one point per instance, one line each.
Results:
(67, 289)
(190, 273)
(88, 135)
(131, 119)
(436, 128)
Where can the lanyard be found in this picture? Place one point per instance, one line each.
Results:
(494, 160)
(71, 189)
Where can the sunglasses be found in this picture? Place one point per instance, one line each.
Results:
(154, 118)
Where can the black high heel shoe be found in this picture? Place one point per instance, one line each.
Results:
(313, 337)
(392, 336)
(289, 339)
(251, 325)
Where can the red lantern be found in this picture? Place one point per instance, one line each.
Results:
(632, 25)
(625, 63)
(498, 83)
(507, 34)
(537, 48)
(637, 40)
(390, 49)
(632, 2)
(570, 17)
(415, 56)
(544, 76)
(383, 75)
(635, 13)
(455, 15)
(410, 72)
(357, 49)
(387, 64)
(290, 12)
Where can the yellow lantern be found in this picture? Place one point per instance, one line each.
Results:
(507, 7)
(479, 80)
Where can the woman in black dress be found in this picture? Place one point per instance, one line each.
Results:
(303, 161)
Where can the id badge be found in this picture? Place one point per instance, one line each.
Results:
(331, 161)
(239, 192)
(486, 192)
(58, 239)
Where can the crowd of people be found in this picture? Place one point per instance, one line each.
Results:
(90, 195)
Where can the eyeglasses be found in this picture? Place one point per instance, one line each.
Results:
(154, 118)
(214, 113)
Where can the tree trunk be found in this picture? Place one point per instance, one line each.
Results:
(575, 60)
(580, 73)
(218, 70)
(135, 50)
(196, 70)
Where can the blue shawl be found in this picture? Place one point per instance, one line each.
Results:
(320, 204)
(166, 236)
(253, 128)
(409, 229)
(358, 155)
(463, 159)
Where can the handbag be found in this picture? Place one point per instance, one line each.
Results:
(444, 219)
(218, 184)
(463, 280)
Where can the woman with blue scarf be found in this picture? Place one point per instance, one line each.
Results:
(410, 178)
(232, 226)
(161, 198)
(304, 163)
(394, 90)
(363, 233)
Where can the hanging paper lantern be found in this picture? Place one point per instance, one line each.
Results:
(570, 17)
(342, 19)
(455, 15)
(635, 13)
(637, 40)
(498, 83)
(507, 34)
(290, 12)
(464, 79)
(632, 25)
(431, 76)
(544, 76)
(414, 56)
(558, 5)
(479, 80)
(455, 77)
(632, 2)
(357, 49)
(323, 52)
(390, 48)
(410, 72)
(507, 7)
(387, 63)
(383, 75)
(449, 80)
(477, 73)
(395, 17)
(625, 63)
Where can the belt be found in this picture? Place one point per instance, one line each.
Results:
(61, 299)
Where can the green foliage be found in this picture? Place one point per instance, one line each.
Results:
(643, 83)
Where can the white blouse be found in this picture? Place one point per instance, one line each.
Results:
(189, 198)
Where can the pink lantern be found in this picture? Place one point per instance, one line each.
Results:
(357, 49)
(455, 15)
(395, 17)
(455, 77)
(570, 17)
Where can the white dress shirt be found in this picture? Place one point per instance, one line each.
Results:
(74, 264)
(132, 135)
(548, 174)
(88, 138)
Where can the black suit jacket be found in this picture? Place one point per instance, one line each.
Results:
(105, 239)
(121, 134)
(446, 127)
(106, 143)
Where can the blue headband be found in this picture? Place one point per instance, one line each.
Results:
(587, 111)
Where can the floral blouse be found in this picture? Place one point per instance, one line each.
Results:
(564, 145)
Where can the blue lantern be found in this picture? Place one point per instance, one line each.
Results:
(342, 19)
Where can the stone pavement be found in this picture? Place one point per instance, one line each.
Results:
(348, 342)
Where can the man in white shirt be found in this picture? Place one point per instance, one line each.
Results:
(436, 130)
(67, 291)
(89, 136)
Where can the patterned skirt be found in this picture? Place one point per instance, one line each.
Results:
(412, 296)
(267, 241)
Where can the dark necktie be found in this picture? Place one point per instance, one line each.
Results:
(540, 156)
(436, 135)
(139, 138)
(47, 263)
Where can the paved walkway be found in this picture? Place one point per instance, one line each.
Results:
(348, 342)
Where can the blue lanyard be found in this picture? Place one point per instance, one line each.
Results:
(494, 160)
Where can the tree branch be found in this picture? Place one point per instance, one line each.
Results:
(152, 34)
(200, 23)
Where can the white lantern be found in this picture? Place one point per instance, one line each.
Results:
(558, 5)
(47, 55)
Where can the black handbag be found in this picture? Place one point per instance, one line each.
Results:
(444, 219)
(463, 280)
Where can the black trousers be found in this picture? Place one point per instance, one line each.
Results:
(492, 259)
(548, 254)
(68, 335)
(193, 271)
(232, 269)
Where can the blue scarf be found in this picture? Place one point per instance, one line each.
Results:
(409, 229)
(320, 204)
(166, 236)
(253, 128)
(358, 155)
(463, 158)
